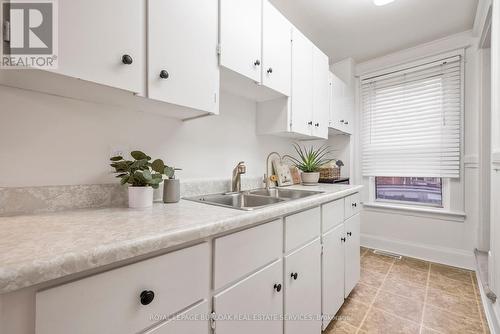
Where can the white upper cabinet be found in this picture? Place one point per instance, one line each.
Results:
(276, 50)
(182, 56)
(321, 94)
(241, 37)
(341, 105)
(103, 42)
(302, 84)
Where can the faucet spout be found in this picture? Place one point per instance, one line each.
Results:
(236, 179)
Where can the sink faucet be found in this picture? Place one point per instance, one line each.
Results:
(236, 180)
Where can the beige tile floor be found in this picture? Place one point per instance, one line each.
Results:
(411, 296)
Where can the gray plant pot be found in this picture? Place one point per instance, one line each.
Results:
(171, 191)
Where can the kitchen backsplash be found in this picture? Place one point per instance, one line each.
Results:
(32, 200)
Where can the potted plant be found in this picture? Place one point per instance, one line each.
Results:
(309, 162)
(141, 175)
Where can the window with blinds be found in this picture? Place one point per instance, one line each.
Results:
(411, 121)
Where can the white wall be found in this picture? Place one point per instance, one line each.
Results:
(49, 140)
(437, 238)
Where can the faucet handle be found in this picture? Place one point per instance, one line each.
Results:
(241, 168)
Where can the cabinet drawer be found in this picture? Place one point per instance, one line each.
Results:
(111, 302)
(241, 253)
(352, 205)
(301, 228)
(192, 321)
(332, 214)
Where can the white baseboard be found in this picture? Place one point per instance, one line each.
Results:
(449, 256)
(491, 318)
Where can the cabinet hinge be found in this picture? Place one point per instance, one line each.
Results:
(212, 321)
(6, 31)
(219, 49)
(322, 249)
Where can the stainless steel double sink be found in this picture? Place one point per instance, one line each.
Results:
(253, 199)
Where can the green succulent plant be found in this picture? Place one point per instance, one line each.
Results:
(310, 159)
(141, 172)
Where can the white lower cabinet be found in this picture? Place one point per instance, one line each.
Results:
(288, 276)
(303, 290)
(352, 253)
(259, 294)
(333, 273)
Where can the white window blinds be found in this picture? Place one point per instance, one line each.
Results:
(411, 121)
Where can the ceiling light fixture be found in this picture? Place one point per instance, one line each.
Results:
(382, 2)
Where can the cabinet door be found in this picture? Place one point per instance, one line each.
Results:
(94, 35)
(191, 321)
(352, 253)
(276, 50)
(182, 66)
(337, 111)
(321, 112)
(257, 294)
(303, 289)
(302, 84)
(333, 273)
(241, 37)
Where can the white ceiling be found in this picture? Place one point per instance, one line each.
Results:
(359, 29)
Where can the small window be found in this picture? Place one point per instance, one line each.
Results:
(410, 190)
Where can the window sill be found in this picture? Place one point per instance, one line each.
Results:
(409, 210)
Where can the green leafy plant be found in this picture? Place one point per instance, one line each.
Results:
(310, 159)
(140, 172)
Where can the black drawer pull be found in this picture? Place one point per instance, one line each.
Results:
(147, 297)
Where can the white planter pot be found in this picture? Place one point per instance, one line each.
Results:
(310, 178)
(140, 197)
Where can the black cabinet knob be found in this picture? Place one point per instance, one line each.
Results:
(341, 121)
(342, 239)
(277, 287)
(164, 74)
(310, 123)
(346, 123)
(127, 60)
(294, 276)
(349, 234)
(354, 205)
(316, 125)
(257, 63)
(270, 70)
(147, 297)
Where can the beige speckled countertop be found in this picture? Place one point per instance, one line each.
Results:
(39, 248)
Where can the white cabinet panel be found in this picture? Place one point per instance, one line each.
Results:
(183, 63)
(302, 84)
(94, 35)
(238, 254)
(241, 37)
(301, 228)
(276, 50)
(192, 321)
(333, 273)
(352, 253)
(321, 112)
(113, 302)
(332, 214)
(303, 289)
(352, 205)
(341, 105)
(257, 294)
